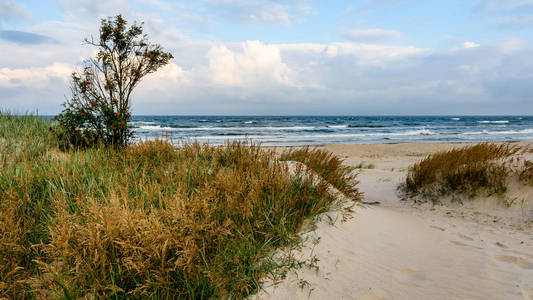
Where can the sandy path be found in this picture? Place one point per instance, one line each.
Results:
(397, 251)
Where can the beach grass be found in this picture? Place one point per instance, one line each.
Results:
(151, 220)
(470, 170)
(328, 166)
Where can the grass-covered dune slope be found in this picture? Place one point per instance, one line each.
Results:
(151, 220)
(485, 169)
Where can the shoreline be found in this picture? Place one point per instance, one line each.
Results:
(329, 145)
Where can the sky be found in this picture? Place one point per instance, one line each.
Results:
(285, 57)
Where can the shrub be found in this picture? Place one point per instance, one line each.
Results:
(465, 170)
(99, 109)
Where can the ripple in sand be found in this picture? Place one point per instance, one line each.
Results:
(518, 261)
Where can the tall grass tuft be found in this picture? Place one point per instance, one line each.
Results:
(467, 170)
(151, 221)
(327, 165)
(526, 174)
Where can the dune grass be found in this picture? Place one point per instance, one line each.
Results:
(470, 170)
(526, 174)
(150, 221)
(328, 166)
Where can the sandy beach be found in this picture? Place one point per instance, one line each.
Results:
(402, 250)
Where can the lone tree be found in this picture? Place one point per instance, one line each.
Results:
(100, 108)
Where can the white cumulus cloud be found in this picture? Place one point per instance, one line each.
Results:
(34, 77)
(255, 63)
(469, 45)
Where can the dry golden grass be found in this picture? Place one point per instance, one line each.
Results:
(526, 174)
(466, 170)
(329, 166)
(152, 221)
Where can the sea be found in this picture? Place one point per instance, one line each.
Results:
(319, 130)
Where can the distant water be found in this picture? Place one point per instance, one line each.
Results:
(316, 130)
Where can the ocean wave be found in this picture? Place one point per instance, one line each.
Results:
(140, 123)
(186, 128)
(337, 126)
(455, 119)
(493, 122)
(418, 132)
(156, 127)
(423, 132)
(511, 132)
(249, 122)
(230, 137)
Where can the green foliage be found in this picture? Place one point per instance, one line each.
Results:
(99, 109)
(148, 221)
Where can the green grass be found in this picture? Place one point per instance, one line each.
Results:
(362, 165)
(150, 221)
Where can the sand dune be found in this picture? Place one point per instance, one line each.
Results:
(398, 250)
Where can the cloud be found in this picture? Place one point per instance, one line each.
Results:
(255, 77)
(469, 45)
(351, 78)
(256, 63)
(310, 78)
(10, 10)
(262, 11)
(372, 35)
(361, 53)
(34, 78)
(511, 46)
(81, 10)
(25, 38)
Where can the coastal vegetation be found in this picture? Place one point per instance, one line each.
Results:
(151, 220)
(479, 169)
(99, 109)
(328, 166)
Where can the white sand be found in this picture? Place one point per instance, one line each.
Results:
(399, 250)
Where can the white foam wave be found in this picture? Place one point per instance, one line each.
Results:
(337, 126)
(230, 137)
(507, 132)
(455, 119)
(420, 132)
(141, 123)
(493, 122)
(151, 127)
(375, 134)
